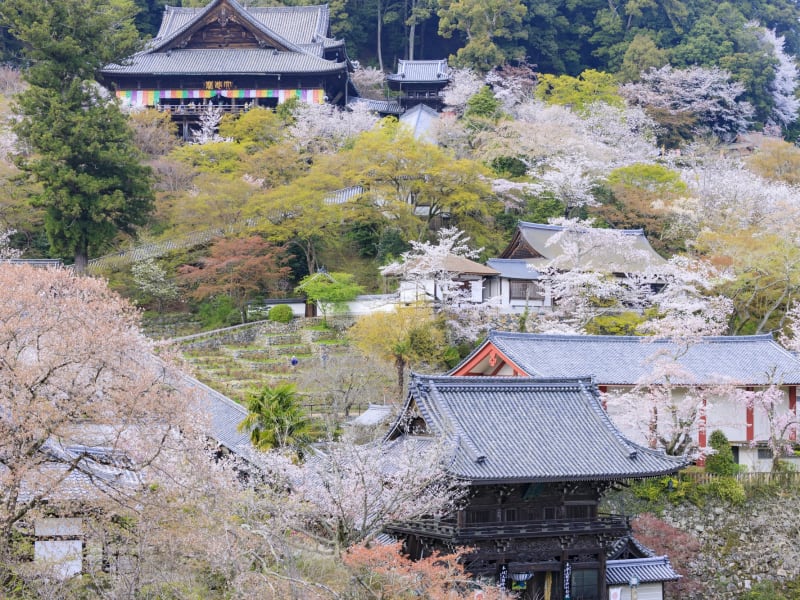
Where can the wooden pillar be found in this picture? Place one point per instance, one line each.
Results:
(702, 432)
(793, 411)
(750, 427)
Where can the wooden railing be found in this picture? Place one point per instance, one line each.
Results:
(783, 479)
(449, 530)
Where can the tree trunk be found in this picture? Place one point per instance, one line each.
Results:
(411, 32)
(379, 32)
(81, 259)
(400, 365)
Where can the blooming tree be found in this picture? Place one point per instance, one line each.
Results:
(781, 423)
(347, 492)
(464, 83)
(210, 118)
(784, 85)
(78, 374)
(707, 93)
(571, 179)
(324, 128)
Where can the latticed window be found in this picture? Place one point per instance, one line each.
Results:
(526, 290)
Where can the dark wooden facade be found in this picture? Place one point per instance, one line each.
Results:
(538, 458)
(234, 58)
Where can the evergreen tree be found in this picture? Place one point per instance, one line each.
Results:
(93, 185)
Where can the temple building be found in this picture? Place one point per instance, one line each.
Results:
(234, 57)
(537, 455)
(419, 82)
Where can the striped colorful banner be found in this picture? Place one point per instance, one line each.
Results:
(153, 97)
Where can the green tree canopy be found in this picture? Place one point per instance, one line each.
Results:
(82, 152)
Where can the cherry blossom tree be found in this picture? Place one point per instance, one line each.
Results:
(707, 93)
(324, 128)
(78, 374)
(347, 492)
(387, 573)
(571, 179)
(784, 85)
(464, 83)
(781, 423)
(210, 118)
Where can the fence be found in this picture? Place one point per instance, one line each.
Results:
(783, 479)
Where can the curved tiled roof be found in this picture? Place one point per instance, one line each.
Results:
(628, 360)
(637, 258)
(223, 61)
(296, 24)
(513, 268)
(505, 429)
(421, 71)
(647, 570)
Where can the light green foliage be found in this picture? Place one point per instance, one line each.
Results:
(483, 105)
(258, 126)
(625, 323)
(275, 419)
(213, 157)
(332, 291)
(581, 91)
(281, 313)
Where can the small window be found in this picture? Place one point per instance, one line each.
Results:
(525, 290)
(765, 454)
(578, 511)
(479, 516)
(512, 515)
(585, 584)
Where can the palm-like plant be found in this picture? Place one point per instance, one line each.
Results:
(275, 419)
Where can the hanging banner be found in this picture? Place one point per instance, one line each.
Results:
(154, 97)
(567, 581)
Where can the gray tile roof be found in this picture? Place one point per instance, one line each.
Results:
(374, 415)
(537, 236)
(296, 24)
(627, 360)
(421, 119)
(505, 429)
(223, 61)
(224, 416)
(647, 570)
(513, 268)
(386, 107)
(421, 71)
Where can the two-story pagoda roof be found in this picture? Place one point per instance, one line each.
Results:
(507, 430)
(628, 360)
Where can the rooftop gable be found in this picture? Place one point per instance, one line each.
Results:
(628, 360)
(180, 25)
(524, 430)
(537, 243)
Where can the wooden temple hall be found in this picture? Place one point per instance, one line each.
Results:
(234, 57)
(537, 455)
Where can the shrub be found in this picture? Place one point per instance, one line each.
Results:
(281, 313)
(218, 312)
(726, 488)
(721, 462)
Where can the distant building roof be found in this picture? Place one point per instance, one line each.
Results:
(451, 263)
(421, 119)
(647, 570)
(419, 71)
(534, 242)
(627, 360)
(374, 415)
(384, 107)
(513, 268)
(504, 429)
